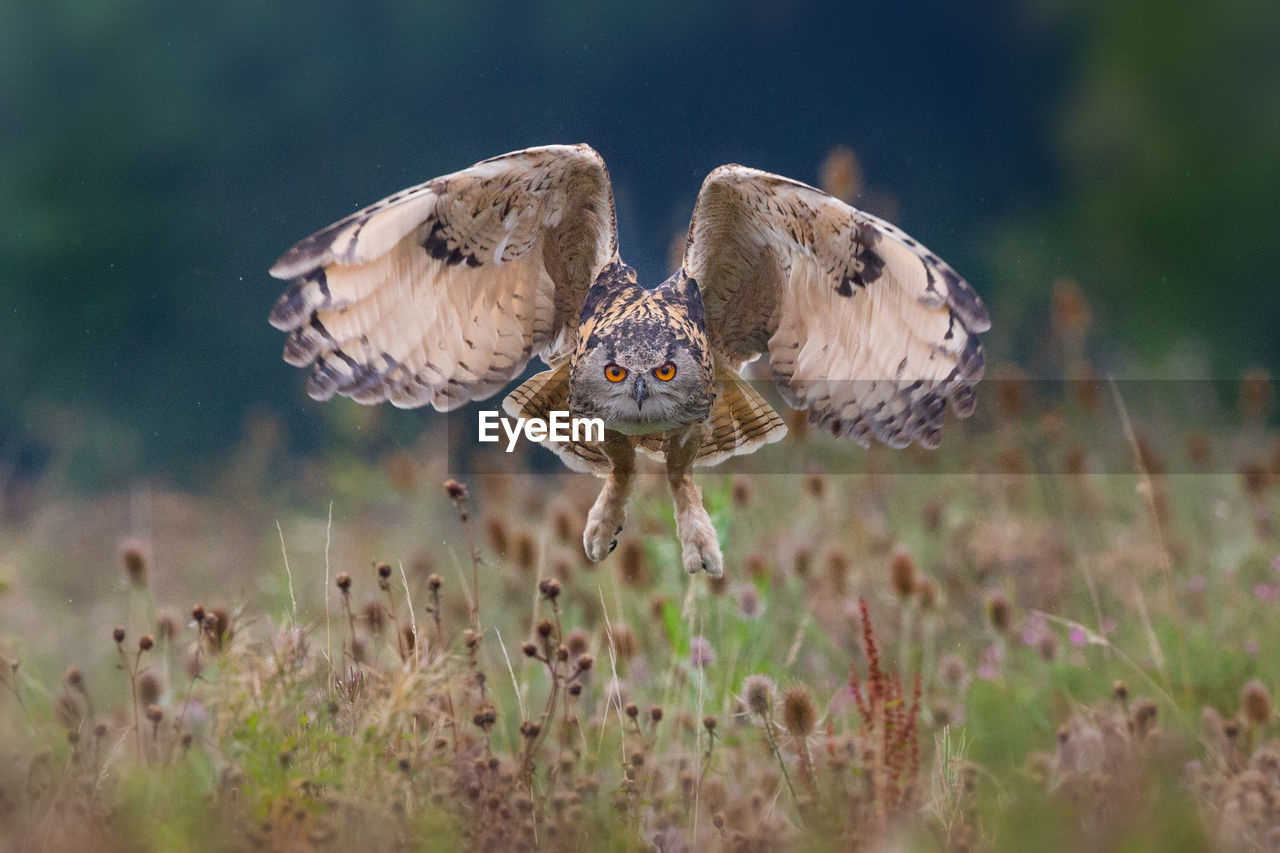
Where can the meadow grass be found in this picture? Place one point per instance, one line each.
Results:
(1066, 639)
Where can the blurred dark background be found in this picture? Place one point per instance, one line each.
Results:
(156, 157)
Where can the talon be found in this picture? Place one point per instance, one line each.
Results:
(613, 544)
(616, 532)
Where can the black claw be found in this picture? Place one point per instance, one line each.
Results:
(613, 544)
(619, 530)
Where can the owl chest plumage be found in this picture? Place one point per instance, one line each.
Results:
(642, 362)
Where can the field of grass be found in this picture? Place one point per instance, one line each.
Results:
(1059, 631)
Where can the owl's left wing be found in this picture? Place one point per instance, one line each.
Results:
(866, 329)
(442, 293)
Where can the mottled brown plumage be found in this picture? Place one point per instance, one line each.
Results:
(442, 293)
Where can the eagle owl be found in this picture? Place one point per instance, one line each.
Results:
(443, 292)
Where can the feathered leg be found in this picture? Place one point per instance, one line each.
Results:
(605, 520)
(699, 546)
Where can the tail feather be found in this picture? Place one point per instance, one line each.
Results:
(741, 421)
(543, 393)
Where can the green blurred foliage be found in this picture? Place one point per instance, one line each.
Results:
(155, 158)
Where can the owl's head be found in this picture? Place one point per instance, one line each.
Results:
(642, 363)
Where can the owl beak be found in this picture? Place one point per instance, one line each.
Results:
(639, 391)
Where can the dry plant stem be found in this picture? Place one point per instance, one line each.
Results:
(395, 624)
(182, 714)
(806, 765)
(465, 518)
(413, 620)
(351, 626)
(773, 744)
(1149, 494)
(133, 693)
(328, 635)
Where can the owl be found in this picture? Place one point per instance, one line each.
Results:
(442, 293)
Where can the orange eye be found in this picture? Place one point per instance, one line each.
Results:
(614, 373)
(666, 372)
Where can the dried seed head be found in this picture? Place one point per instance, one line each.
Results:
(217, 626)
(197, 613)
(471, 639)
(562, 653)
(165, 628)
(803, 562)
(926, 593)
(701, 652)
(133, 556)
(383, 569)
(154, 714)
(631, 564)
(578, 641)
(840, 174)
(148, 689)
(100, 730)
(74, 677)
(632, 710)
(1254, 478)
(585, 662)
(1120, 691)
(758, 692)
(1255, 394)
(750, 606)
(798, 713)
(434, 581)
(741, 492)
(815, 485)
(1145, 712)
(562, 523)
(709, 723)
(625, 643)
(756, 566)
(655, 714)
(952, 670)
(529, 649)
(496, 528)
(550, 588)
(526, 553)
(1070, 314)
(998, 611)
(545, 628)
(118, 635)
(575, 689)
(146, 642)
(902, 574)
(456, 491)
(375, 616)
(344, 582)
(1255, 702)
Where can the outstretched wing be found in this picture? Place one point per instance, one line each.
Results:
(442, 292)
(865, 328)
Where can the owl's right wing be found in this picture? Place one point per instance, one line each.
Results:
(866, 329)
(442, 292)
